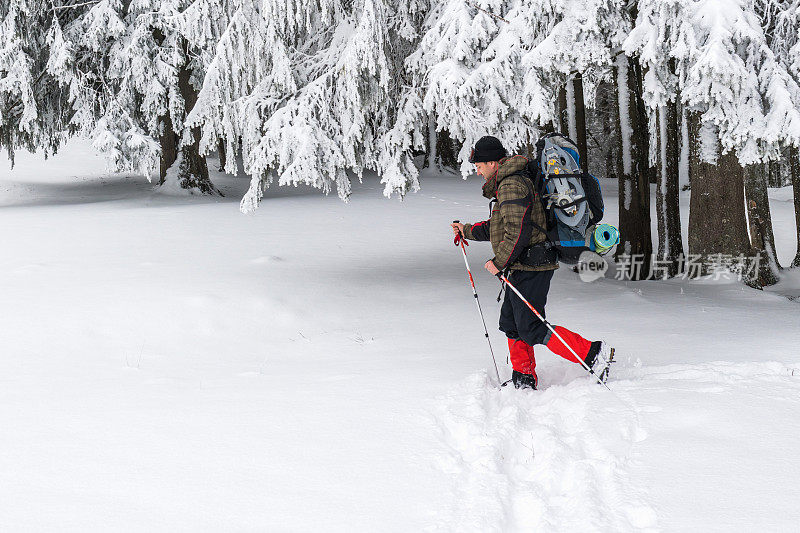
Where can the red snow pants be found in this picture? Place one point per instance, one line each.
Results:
(524, 329)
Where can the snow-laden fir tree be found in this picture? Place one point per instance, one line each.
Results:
(588, 39)
(307, 91)
(715, 57)
(495, 67)
(734, 79)
(238, 49)
(33, 110)
(131, 82)
(468, 63)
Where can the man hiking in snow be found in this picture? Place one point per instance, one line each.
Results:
(518, 242)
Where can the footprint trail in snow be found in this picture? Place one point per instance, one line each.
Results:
(573, 457)
(553, 460)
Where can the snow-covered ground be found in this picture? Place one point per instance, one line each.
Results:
(171, 364)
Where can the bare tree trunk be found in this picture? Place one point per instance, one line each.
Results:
(169, 147)
(636, 246)
(223, 156)
(693, 125)
(530, 145)
(607, 107)
(794, 167)
(683, 153)
(430, 152)
(563, 119)
(762, 239)
(167, 137)
(775, 175)
(717, 223)
(670, 243)
(580, 120)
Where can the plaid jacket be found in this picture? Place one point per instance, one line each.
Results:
(509, 227)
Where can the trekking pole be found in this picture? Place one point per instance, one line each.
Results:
(460, 240)
(551, 328)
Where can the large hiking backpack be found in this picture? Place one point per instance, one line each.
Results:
(571, 197)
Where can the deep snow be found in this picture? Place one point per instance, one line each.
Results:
(169, 363)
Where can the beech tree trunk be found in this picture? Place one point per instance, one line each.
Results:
(670, 243)
(636, 247)
(762, 239)
(794, 168)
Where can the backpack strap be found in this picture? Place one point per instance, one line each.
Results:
(545, 252)
(534, 195)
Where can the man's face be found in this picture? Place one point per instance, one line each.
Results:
(486, 170)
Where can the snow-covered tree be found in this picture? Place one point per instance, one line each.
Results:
(794, 169)
(633, 169)
(307, 91)
(746, 93)
(239, 49)
(587, 39)
(658, 42)
(496, 67)
(733, 77)
(468, 63)
(33, 110)
(715, 56)
(131, 79)
(784, 40)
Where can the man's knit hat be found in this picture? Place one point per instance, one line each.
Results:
(487, 149)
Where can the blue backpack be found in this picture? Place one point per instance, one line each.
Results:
(571, 197)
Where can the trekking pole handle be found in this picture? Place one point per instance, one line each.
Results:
(459, 239)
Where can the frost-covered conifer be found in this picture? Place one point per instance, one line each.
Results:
(33, 111)
(308, 91)
(469, 64)
(733, 77)
(496, 66)
(130, 80)
(247, 61)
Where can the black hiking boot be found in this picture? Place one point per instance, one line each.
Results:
(591, 358)
(523, 381)
(599, 359)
